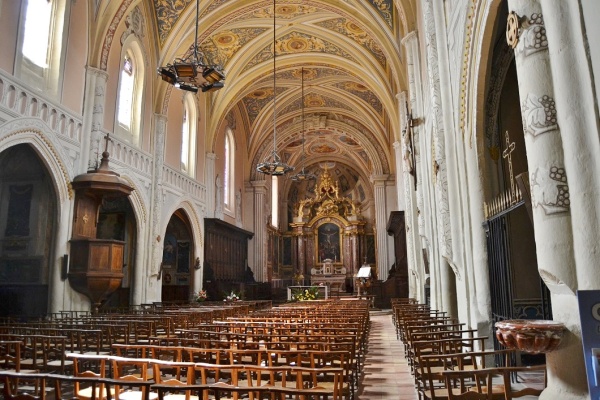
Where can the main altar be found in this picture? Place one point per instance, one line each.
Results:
(328, 230)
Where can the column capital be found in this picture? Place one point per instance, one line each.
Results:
(211, 156)
(379, 179)
(97, 72)
(409, 37)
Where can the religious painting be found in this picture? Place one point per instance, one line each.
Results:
(328, 242)
(170, 249)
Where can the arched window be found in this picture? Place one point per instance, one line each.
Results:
(126, 93)
(41, 43)
(229, 181)
(128, 121)
(188, 135)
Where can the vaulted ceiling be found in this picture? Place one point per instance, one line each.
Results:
(353, 69)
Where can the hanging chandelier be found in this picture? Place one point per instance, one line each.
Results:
(194, 72)
(272, 164)
(303, 175)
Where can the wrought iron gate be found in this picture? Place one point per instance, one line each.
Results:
(500, 271)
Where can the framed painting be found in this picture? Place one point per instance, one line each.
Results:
(328, 242)
(170, 250)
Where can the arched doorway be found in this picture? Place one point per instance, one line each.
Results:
(116, 220)
(515, 286)
(27, 230)
(179, 259)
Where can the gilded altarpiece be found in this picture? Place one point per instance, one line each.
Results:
(327, 231)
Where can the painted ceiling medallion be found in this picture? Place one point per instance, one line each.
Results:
(314, 100)
(286, 11)
(261, 94)
(227, 42)
(309, 73)
(354, 29)
(323, 148)
(359, 87)
(296, 43)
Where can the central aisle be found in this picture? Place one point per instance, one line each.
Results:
(386, 371)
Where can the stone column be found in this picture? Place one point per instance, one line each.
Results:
(577, 118)
(146, 287)
(300, 240)
(260, 231)
(417, 226)
(209, 179)
(549, 196)
(380, 223)
(93, 116)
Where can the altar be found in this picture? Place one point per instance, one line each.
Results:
(329, 275)
(328, 235)
(323, 291)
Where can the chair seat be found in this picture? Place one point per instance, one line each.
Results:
(136, 395)
(86, 394)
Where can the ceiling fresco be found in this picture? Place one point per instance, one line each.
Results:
(352, 74)
(352, 30)
(297, 42)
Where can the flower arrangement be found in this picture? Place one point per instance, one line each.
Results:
(232, 296)
(200, 296)
(312, 293)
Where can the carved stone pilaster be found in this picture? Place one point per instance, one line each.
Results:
(93, 116)
(260, 230)
(210, 179)
(439, 167)
(379, 184)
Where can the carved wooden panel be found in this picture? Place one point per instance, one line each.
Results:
(225, 251)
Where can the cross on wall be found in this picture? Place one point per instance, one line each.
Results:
(510, 147)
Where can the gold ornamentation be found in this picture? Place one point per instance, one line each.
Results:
(328, 200)
(512, 29)
(85, 219)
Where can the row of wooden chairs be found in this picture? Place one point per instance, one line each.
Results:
(63, 387)
(449, 362)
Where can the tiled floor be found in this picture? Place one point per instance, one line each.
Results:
(386, 372)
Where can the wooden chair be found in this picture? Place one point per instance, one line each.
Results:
(481, 387)
(129, 373)
(513, 391)
(178, 375)
(15, 389)
(88, 366)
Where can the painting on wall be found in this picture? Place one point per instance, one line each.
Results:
(170, 250)
(328, 242)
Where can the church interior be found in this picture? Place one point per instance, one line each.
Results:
(395, 156)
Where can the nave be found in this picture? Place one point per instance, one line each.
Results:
(315, 349)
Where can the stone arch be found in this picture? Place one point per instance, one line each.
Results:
(37, 134)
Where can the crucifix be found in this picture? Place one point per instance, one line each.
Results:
(510, 147)
(409, 155)
(107, 139)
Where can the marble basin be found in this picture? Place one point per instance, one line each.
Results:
(531, 336)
